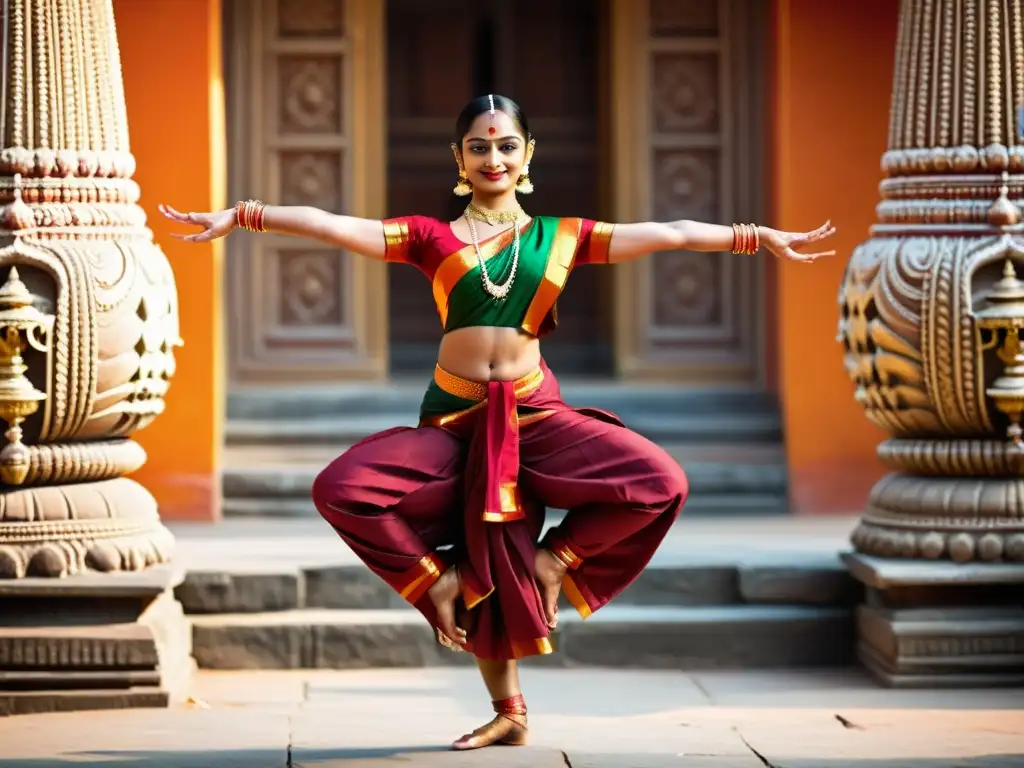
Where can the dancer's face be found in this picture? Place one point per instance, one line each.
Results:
(494, 151)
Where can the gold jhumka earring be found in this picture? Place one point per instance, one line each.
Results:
(524, 186)
(462, 187)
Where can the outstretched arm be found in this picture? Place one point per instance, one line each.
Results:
(362, 236)
(631, 241)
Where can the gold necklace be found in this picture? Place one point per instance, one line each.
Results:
(474, 211)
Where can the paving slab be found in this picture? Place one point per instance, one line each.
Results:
(147, 738)
(893, 739)
(841, 689)
(271, 688)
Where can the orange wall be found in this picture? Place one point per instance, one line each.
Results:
(833, 75)
(171, 54)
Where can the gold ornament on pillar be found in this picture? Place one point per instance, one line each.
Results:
(21, 326)
(1000, 324)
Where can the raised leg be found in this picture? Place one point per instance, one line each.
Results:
(390, 497)
(622, 491)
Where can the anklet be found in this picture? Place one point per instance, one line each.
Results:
(513, 705)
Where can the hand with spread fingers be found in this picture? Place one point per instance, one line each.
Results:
(215, 224)
(784, 244)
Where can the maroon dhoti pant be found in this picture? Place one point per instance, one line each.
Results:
(476, 484)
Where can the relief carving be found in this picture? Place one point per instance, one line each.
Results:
(88, 305)
(930, 307)
(686, 184)
(685, 92)
(684, 314)
(688, 290)
(310, 94)
(306, 139)
(311, 288)
(312, 178)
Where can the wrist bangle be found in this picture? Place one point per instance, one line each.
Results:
(745, 239)
(249, 215)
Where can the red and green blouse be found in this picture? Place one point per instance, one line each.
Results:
(549, 249)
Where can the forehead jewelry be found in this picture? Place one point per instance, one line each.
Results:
(490, 99)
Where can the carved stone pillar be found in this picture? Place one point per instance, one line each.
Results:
(88, 323)
(930, 317)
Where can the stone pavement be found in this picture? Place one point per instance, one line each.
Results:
(579, 718)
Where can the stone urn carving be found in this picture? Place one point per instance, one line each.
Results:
(930, 307)
(88, 305)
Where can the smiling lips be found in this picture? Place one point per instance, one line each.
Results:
(493, 176)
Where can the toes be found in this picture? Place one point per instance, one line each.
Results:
(446, 623)
(552, 615)
(466, 742)
(550, 606)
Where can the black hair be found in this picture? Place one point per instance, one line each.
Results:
(482, 104)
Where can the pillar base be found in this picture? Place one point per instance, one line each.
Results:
(937, 624)
(93, 641)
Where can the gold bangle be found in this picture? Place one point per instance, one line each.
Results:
(746, 239)
(249, 215)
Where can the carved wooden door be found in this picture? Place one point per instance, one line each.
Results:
(305, 110)
(544, 55)
(687, 90)
(430, 66)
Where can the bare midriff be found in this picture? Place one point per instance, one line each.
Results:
(489, 354)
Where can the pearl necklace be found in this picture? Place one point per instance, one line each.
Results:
(498, 292)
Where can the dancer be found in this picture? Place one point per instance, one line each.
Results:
(449, 513)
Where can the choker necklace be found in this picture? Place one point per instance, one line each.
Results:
(493, 218)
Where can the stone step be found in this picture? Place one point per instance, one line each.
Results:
(617, 636)
(703, 505)
(706, 477)
(675, 425)
(785, 579)
(274, 481)
(403, 398)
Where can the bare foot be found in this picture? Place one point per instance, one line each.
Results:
(443, 594)
(548, 571)
(507, 729)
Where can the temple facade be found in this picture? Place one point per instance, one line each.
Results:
(663, 110)
(221, 377)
